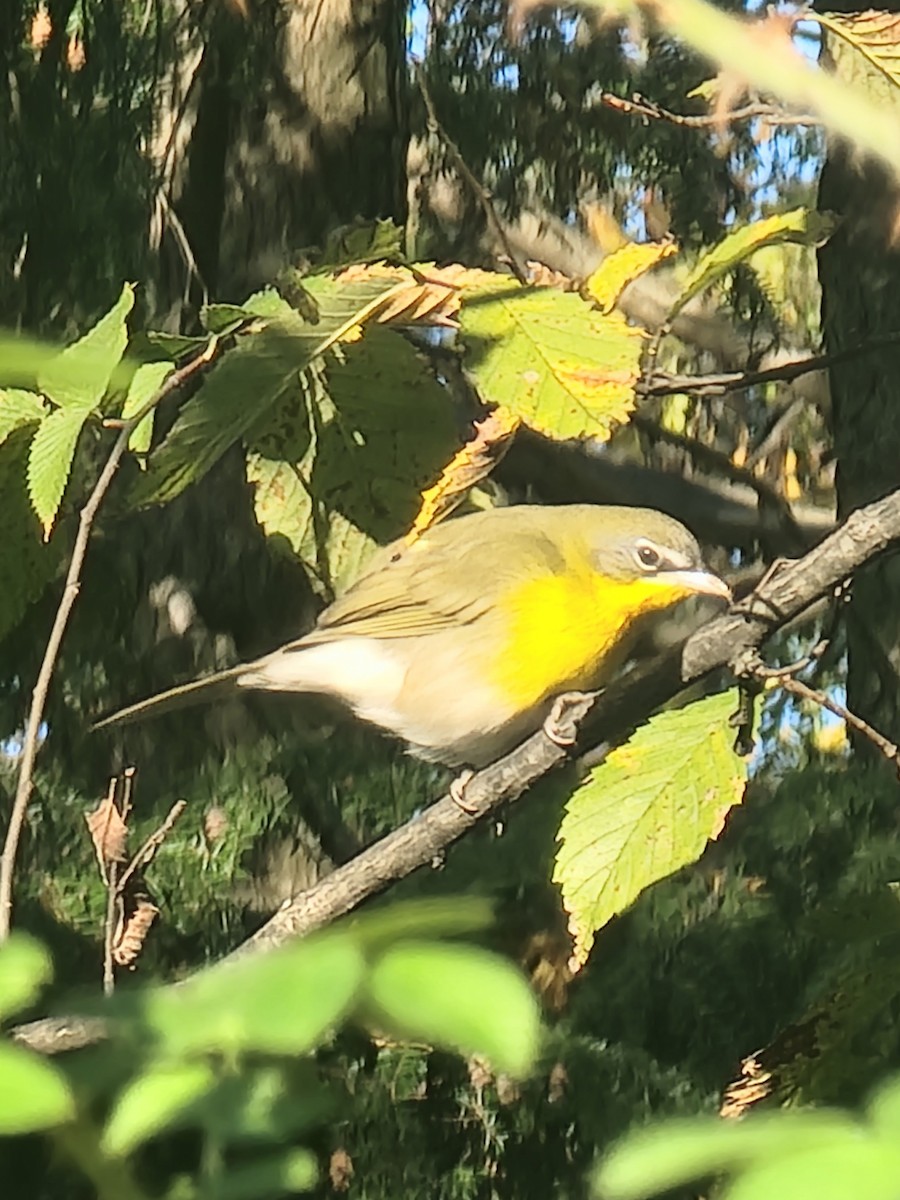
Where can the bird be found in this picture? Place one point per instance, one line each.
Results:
(460, 642)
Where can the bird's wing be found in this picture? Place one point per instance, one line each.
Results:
(440, 582)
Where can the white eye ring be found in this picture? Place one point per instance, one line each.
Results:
(648, 557)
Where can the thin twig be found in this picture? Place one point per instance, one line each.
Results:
(802, 690)
(658, 383)
(477, 187)
(113, 907)
(642, 107)
(152, 844)
(25, 783)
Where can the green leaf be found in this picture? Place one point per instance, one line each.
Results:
(679, 1152)
(280, 1003)
(423, 918)
(50, 461)
(26, 565)
(458, 997)
(339, 470)
(263, 1104)
(153, 1102)
(79, 377)
(883, 1109)
(281, 1174)
(646, 811)
(23, 358)
(801, 225)
(33, 1093)
(246, 384)
(24, 969)
(222, 318)
(18, 408)
(175, 345)
(861, 1169)
(147, 380)
(872, 34)
(550, 357)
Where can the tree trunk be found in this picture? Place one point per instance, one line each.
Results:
(298, 125)
(860, 274)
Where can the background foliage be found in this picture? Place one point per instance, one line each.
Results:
(275, 183)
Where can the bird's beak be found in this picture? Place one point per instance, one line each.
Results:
(696, 581)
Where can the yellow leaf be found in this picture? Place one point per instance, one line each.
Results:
(622, 267)
(473, 462)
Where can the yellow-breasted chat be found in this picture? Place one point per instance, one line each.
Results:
(459, 643)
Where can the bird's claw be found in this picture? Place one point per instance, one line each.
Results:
(567, 712)
(458, 791)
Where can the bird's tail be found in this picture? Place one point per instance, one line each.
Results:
(200, 691)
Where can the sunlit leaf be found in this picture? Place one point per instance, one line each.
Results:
(147, 380)
(34, 1094)
(864, 1169)
(649, 809)
(549, 357)
(50, 458)
(80, 375)
(153, 1102)
(279, 1003)
(622, 267)
(800, 225)
(19, 408)
(458, 997)
(26, 564)
(24, 969)
(678, 1152)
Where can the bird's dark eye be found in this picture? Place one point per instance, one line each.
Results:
(649, 557)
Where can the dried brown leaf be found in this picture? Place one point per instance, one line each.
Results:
(109, 832)
(132, 930)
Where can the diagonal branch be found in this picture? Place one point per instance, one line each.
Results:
(723, 643)
(25, 783)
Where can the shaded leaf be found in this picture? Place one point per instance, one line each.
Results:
(457, 997)
(24, 969)
(147, 380)
(248, 382)
(175, 345)
(280, 1174)
(50, 459)
(649, 809)
(80, 375)
(800, 225)
(371, 430)
(549, 357)
(19, 408)
(26, 565)
(33, 1093)
(222, 318)
(874, 33)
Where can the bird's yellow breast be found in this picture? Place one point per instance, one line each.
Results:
(566, 631)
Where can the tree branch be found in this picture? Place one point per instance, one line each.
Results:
(640, 106)
(660, 383)
(723, 643)
(25, 783)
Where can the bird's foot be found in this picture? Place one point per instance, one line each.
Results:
(561, 724)
(458, 791)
